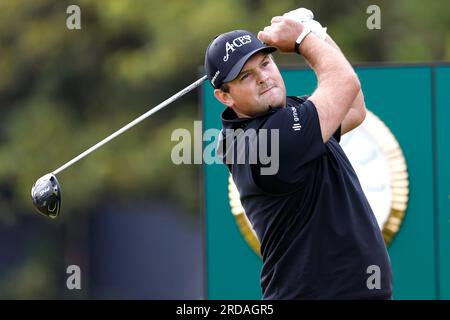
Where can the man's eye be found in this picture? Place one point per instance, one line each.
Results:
(244, 76)
(266, 63)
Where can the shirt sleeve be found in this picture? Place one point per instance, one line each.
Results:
(299, 143)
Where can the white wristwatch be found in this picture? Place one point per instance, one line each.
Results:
(301, 37)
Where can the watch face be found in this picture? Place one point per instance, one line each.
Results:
(380, 165)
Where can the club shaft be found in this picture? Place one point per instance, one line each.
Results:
(132, 124)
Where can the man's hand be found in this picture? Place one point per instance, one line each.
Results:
(282, 33)
(300, 14)
(306, 17)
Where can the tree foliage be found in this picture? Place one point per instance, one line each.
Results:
(63, 90)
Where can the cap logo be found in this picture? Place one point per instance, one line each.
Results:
(215, 77)
(236, 43)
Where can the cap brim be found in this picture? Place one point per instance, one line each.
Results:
(234, 72)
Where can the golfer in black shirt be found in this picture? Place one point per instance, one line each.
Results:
(319, 237)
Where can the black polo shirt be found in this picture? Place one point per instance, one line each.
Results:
(319, 237)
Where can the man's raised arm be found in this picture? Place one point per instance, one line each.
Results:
(357, 112)
(338, 84)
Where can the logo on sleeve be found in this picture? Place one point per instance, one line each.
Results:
(296, 126)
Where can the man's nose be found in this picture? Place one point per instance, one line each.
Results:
(262, 77)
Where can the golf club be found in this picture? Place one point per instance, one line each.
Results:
(46, 192)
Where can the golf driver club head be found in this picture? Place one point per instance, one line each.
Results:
(46, 195)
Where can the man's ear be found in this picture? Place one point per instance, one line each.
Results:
(224, 97)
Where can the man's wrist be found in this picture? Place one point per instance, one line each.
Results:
(300, 38)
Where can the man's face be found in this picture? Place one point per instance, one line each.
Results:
(258, 86)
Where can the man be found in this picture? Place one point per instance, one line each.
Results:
(319, 237)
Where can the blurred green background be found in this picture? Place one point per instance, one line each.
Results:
(61, 91)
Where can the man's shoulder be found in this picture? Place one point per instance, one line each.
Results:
(294, 105)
